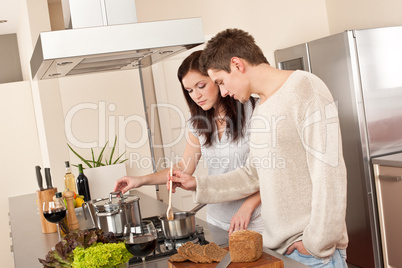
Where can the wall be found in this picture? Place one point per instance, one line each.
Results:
(361, 14)
(10, 65)
(20, 153)
(56, 19)
(274, 24)
(96, 108)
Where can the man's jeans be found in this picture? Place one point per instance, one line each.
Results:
(337, 260)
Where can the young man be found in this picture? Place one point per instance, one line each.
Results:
(295, 153)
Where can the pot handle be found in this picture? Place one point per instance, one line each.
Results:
(106, 214)
(85, 205)
(198, 207)
(115, 193)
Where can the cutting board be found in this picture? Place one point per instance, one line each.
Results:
(266, 260)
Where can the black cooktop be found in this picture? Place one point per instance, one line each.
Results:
(166, 247)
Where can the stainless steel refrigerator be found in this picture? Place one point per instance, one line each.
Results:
(363, 70)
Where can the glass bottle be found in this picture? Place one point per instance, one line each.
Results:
(82, 184)
(69, 179)
(63, 224)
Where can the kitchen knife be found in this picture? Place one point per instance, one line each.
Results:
(48, 178)
(224, 262)
(39, 177)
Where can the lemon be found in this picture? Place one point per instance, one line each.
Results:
(78, 202)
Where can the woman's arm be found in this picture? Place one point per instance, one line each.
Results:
(188, 164)
(242, 217)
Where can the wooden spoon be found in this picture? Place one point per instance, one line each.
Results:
(169, 212)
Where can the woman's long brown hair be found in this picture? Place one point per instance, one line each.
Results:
(204, 121)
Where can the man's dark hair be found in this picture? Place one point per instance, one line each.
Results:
(228, 44)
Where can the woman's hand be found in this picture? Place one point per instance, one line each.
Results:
(182, 180)
(300, 248)
(242, 217)
(240, 220)
(126, 183)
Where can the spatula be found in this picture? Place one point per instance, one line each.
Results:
(169, 212)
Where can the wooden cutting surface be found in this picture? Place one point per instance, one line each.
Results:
(266, 260)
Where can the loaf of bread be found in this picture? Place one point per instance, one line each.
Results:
(245, 246)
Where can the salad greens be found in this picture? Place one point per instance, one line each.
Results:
(101, 255)
(63, 255)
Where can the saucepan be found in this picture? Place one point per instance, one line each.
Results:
(111, 214)
(183, 224)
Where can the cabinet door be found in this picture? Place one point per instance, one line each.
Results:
(389, 197)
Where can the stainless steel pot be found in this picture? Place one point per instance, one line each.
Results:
(113, 213)
(183, 224)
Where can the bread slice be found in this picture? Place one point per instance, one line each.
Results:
(197, 253)
(177, 258)
(184, 250)
(245, 246)
(214, 252)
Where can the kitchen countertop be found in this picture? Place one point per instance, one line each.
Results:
(393, 160)
(29, 243)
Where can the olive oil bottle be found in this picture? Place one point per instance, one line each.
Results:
(69, 179)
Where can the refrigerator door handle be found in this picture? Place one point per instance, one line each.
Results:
(390, 178)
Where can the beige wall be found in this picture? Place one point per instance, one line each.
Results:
(20, 153)
(362, 14)
(274, 24)
(103, 106)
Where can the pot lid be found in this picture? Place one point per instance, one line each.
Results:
(114, 202)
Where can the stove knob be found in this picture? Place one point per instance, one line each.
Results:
(199, 229)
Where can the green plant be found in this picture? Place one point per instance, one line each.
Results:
(98, 161)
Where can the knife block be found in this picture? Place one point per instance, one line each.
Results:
(46, 195)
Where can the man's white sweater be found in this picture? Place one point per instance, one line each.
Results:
(296, 162)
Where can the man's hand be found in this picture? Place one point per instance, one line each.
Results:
(300, 248)
(182, 180)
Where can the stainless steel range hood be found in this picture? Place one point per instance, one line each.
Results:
(114, 47)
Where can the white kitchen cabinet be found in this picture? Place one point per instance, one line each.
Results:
(388, 180)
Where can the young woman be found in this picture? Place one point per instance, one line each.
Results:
(218, 132)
